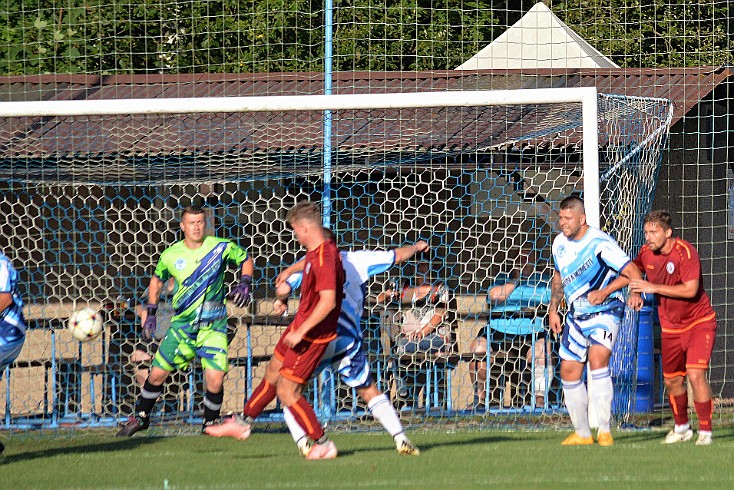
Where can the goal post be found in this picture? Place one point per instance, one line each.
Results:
(94, 188)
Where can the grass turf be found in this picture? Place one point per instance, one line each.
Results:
(455, 459)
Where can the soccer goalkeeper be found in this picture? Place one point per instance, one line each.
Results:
(199, 326)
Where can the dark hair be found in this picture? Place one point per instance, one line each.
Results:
(191, 210)
(660, 217)
(573, 202)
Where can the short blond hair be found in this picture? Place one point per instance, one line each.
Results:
(304, 210)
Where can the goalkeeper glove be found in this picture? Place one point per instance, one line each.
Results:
(241, 294)
(149, 325)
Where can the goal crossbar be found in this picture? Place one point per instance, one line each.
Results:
(586, 96)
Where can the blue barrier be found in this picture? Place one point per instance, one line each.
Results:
(644, 399)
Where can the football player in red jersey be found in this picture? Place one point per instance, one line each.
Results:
(687, 321)
(302, 345)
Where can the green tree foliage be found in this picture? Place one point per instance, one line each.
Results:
(653, 33)
(231, 36)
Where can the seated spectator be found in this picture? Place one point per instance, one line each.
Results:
(516, 327)
(425, 324)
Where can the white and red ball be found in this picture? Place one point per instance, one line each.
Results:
(85, 324)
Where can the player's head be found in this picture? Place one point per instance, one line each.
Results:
(572, 217)
(658, 229)
(193, 223)
(305, 220)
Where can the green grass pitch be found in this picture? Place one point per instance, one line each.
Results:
(449, 459)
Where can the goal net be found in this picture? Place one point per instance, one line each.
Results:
(92, 194)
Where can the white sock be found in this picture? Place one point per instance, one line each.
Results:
(704, 432)
(682, 429)
(602, 396)
(297, 432)
(383, 411)
(577, 403)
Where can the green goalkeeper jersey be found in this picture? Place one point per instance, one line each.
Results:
(199, 274)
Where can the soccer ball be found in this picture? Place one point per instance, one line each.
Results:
(85, 324)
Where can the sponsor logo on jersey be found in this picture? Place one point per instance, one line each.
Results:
(180, 264)
(670, 267)
(308, 268)
(561, 251)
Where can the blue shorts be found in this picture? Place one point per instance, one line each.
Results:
(11, 342)
(581, 331)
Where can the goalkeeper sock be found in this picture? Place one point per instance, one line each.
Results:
(261, 397)
(383, 411)
(601, 397)
(212, 405)
(577, 403)
(148, 396)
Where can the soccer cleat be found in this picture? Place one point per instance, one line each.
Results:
(576, 440)
(605, 439)
(234, 426)
(404, 446)
(322, 451)
(135, 423)
(674, 437)
(304, 446)
(205, 424)
(704, 439)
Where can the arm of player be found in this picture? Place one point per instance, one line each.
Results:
(326, 304)
(405, 253)
(154, 293)
(282, 293)
(554, 318)
(6, 299)
(688, 289)
(629, 272)
(288, 272)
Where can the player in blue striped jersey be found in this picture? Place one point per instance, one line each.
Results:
(345, 354)
(12, 323)
(590, 270)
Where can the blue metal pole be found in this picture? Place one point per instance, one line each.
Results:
(328, 61)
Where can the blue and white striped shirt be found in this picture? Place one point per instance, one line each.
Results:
(12, 316)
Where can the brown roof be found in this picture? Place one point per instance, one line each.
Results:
(252, 132)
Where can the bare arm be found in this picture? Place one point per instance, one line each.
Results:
(630, 272)
(6, 299)
(154, 290)
(404, 253)
(688, 289)
(554, 318)
(248, 267)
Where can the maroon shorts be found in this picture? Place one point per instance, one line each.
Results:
(300, 362)
(687, 350)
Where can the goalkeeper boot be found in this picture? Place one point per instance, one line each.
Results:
(576, 440)
(404, 446)
(207, 423)
(326, 450)
(135, 423)
(233, 426)
(674, 437)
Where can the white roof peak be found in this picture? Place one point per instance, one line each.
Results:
(538, 40)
